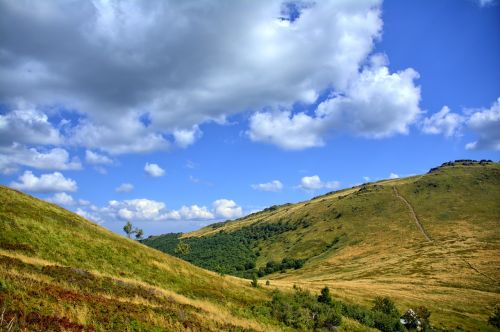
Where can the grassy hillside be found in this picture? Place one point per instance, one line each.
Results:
(428, 240)
(59, 271)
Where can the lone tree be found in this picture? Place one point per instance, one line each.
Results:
(139, 233)
(128, 229)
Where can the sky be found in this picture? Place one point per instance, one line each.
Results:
(176, 114)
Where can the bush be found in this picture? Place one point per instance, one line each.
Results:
(495, 317)
(302, 311)
(423, 315)
(325, 296)
(255, 281)
(385, 305)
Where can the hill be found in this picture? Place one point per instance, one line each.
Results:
(61, 272)
(428, 240)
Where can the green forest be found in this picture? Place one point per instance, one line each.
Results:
(232, 253)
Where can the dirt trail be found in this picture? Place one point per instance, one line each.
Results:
(414, 215)
(428, 238)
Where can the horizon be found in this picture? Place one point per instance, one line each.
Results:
(226, 109)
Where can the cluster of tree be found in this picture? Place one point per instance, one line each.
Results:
(286, 263)
(129, 230)
(384, 316)
(301, 310)
(232, 253)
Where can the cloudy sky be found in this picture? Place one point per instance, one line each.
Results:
(177, 114)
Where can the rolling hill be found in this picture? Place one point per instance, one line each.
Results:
(61, 272)
(429, 240)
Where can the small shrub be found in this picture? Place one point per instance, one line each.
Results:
(385, 305)
(255, 281)
(495, 317)
(325, 296)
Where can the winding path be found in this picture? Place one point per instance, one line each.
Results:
(428, 238)
(414, 215)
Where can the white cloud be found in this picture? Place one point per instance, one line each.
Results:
(186, 137)
(274, 186)
(150, 210)
(443, 122)
(393, 176)
(25, 124)
(366, 178)
(154, 170)
(227, 208)
(95, 158)
(54, 159)
(62, 199)
(290, 132)
(46, 183)
(124, 188)
(139, 209)
(124, 135)
(486, 123)
(195, 212)
(314, 183)
(83, 202)
(374, 104)
(147, 64)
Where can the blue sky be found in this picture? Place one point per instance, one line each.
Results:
(177, 115)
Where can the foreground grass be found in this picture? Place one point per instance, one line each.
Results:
(57, 268)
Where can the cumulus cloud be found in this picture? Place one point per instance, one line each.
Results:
(186, 137)
(274, 186)
(195, 212)
(486, 124)
(227, 208)
(443, 122)
(139, 209)
(25, 124)
(53, 159)
(62, 199)
(124, 188)
(314, 183)
(154, 170)
(46, 183)
(151, 210)
(146, 67)
(290, 132)
(393, 176)
(375, 104)
(95, 158)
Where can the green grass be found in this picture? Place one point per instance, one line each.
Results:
(59, 269)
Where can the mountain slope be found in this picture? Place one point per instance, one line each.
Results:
(430, 240)
(60, 272)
